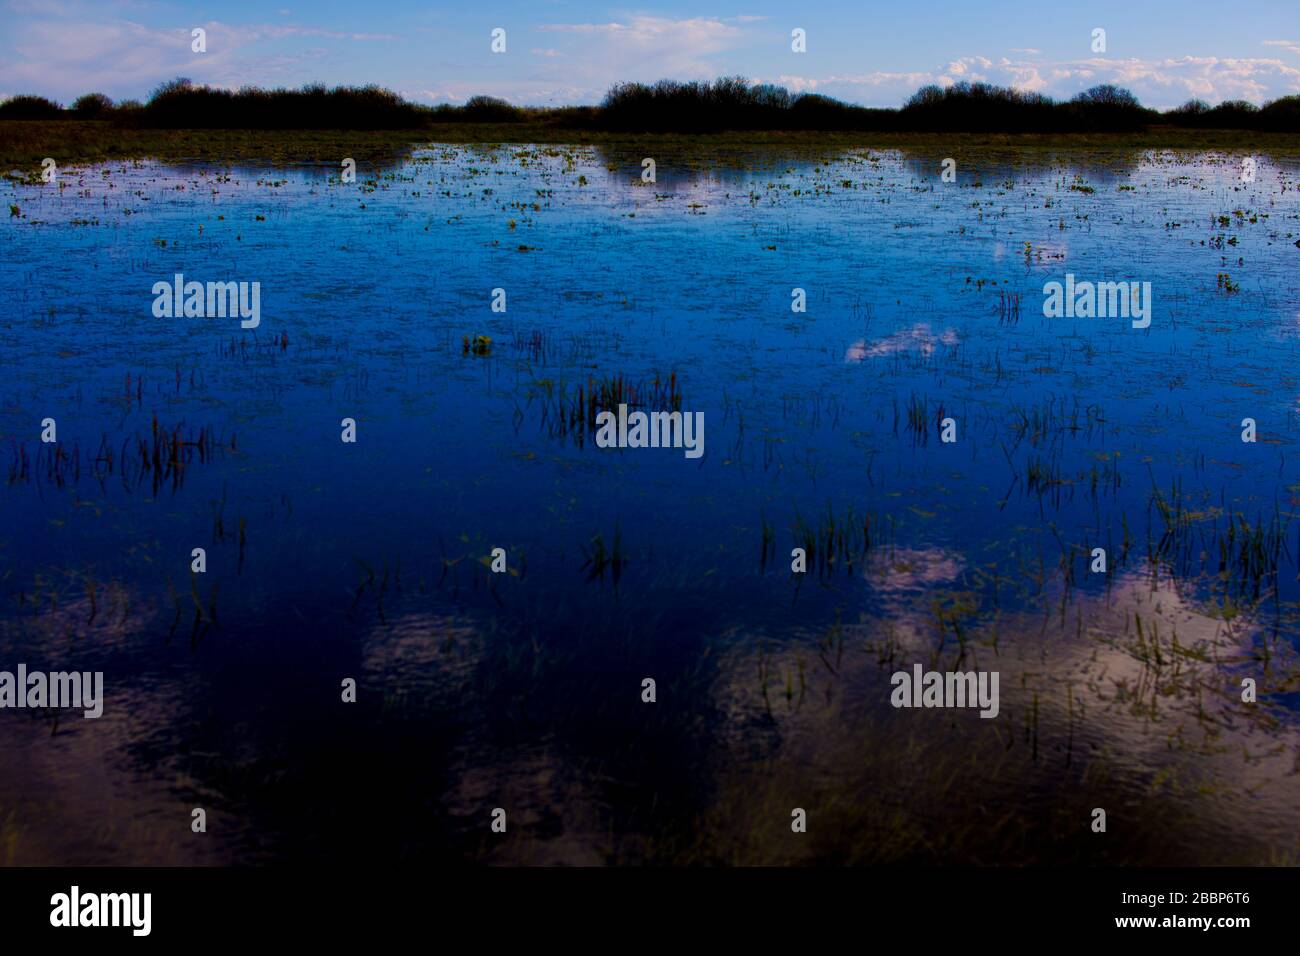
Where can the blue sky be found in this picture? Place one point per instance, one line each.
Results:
(570, 51)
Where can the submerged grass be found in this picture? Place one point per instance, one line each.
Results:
(572, 414)
(161, 458)
(835, 541)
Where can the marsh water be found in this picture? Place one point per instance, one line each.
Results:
(824, 430)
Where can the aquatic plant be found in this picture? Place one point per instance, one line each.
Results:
(478, 345)
(573, 414)
(833, 541)
(598, 558)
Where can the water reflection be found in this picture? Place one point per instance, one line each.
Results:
(328, 561)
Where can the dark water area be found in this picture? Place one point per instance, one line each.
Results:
(823, 429)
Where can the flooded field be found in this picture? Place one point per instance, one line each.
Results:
(867, 349)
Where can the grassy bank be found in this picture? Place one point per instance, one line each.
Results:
(24, 144)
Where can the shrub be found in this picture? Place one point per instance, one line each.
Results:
(30, 108)
(489, 109)
(92, 106)
(178, 104)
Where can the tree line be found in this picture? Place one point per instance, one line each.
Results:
(725, 104)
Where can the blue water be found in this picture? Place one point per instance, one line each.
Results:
(370, 560)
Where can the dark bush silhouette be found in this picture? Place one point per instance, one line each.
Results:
(1234, 114)
(30, 108)
(1109, 108)
(979, 107)
(1281, 115)
(728, 103)
(572, 117)
(812, 111)
(1108, 95)
(489, 109)
(1189, 112)
(179, 104)
(92, 106)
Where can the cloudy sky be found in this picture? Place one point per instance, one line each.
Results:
(570, 51)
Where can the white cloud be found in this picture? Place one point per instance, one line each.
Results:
(1291, 46)
(62, 48)
(1159, 83)
(647, 47)
(797, 84)
(124, 58)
